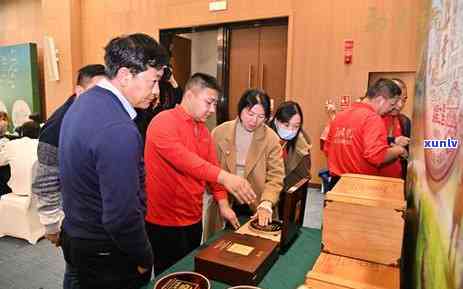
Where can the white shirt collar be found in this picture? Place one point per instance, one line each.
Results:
(104, 83)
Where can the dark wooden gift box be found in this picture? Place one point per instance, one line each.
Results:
(218, 263)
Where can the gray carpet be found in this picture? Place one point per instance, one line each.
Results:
(26, 266)
(41, 266)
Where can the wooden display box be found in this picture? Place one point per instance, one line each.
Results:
(370, 186)
(337, 272)
(245, 257)
(291, 210)
(363, 219)
(237, 259)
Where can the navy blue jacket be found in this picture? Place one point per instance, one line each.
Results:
(102, 175)
(50, 131)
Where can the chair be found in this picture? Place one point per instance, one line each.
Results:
(18, 210)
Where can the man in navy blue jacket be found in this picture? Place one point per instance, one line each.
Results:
(102, 173)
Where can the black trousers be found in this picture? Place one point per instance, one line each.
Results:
(333, 181)
(100, 264)
(5, 174)
(171, 244)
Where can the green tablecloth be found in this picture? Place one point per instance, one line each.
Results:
(288, 272)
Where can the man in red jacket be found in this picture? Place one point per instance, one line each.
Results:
(180, 161)
(357, 140)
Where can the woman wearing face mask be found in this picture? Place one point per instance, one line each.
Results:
(247, 147)
(287, 123)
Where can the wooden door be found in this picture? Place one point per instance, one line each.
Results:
(244, 54)
(257, 60)
(181, 59)
(272, 62)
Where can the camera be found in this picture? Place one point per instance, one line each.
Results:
(167, 73)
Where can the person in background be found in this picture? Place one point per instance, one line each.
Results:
(167, 95)
(34, 126)
(5, 170)
(249, 148)
(357, 139)
(170, 93)
(330, 109)
(3, 124)
(35, 117)
(398, 132)
(46, 185)
(287, 123)
(102, 171)
(324, 173)
(181, 162)
(404, 121)
(21, 154)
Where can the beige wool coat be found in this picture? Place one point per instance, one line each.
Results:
(264, 168)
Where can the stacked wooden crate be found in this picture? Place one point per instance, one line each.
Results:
(336, 272)
(362, 234)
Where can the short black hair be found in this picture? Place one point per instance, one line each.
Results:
(31, 129)
(88, 72)
(203, 80)
(136, 52)
(283, 114)
(252, 97)
(35, 116)
(400, 81)
(384, 87)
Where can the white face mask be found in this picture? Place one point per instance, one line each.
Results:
(284, 133)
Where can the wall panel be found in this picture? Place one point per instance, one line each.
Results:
(384, 34)
(20, 22)
(62, 22)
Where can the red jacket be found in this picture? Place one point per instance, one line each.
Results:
(356, 141)
(180, 159)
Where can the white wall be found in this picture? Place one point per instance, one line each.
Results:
(204, 57)
(204, 52)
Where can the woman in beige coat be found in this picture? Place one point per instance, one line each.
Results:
(247, 147)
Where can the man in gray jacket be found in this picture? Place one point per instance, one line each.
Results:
(46, 185)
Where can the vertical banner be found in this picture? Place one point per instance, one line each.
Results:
(435, 183)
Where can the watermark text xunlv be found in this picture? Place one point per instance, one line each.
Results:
(449, 143)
